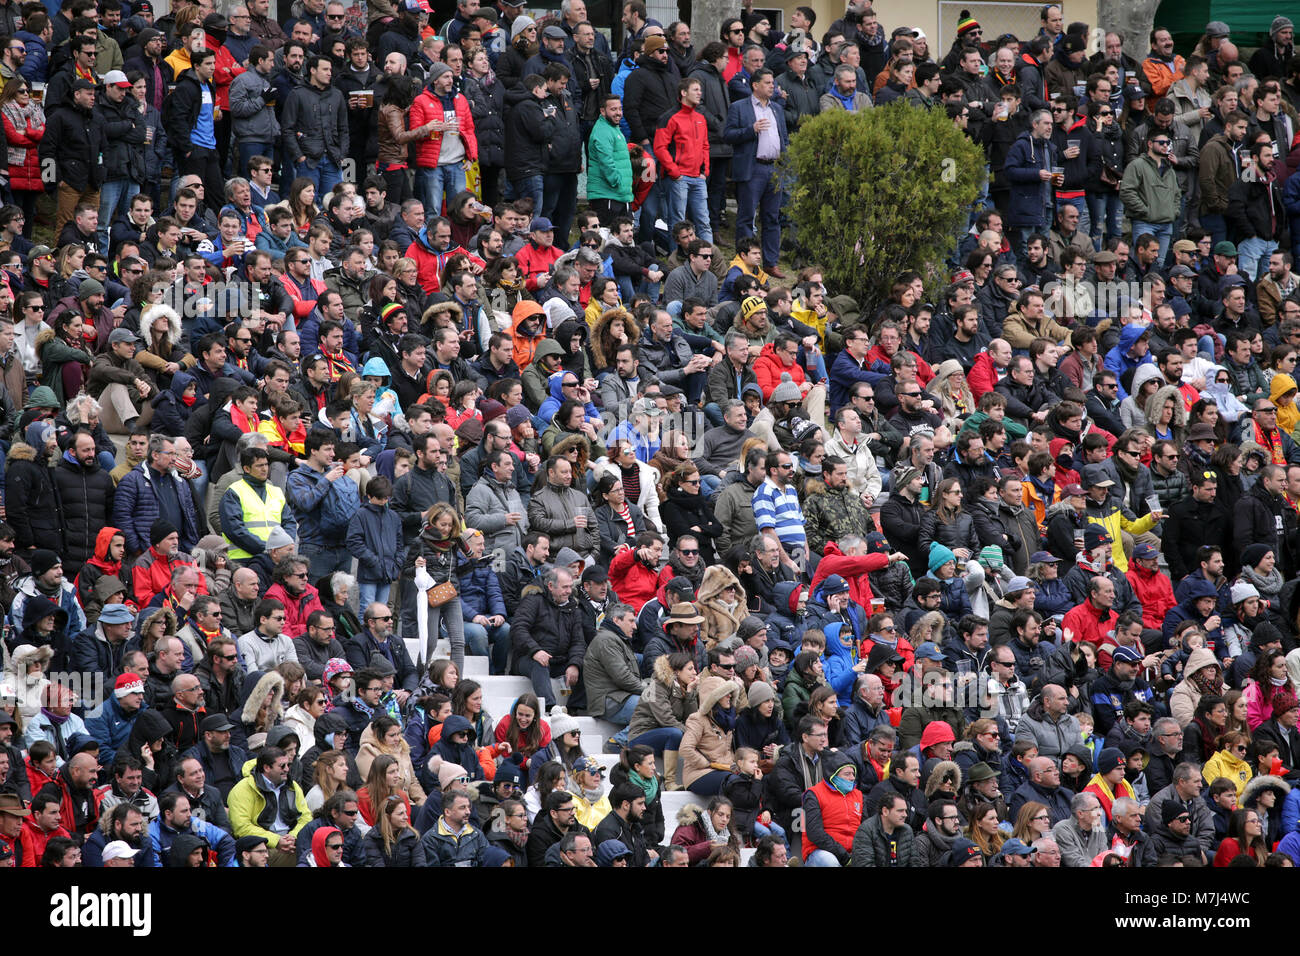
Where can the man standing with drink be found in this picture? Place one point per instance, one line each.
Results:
(1029, 170)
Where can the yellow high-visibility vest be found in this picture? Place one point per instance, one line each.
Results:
(259, 516)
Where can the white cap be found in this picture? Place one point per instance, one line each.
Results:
(118, 850)
(1243, 590)
(116, 78)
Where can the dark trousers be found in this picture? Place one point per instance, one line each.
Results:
(717, 186)
(608, 210)
(761, 194)
(206, 164)
(560, 203)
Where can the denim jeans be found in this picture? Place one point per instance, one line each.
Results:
(689, 198)
(710, 784)
(248, 150)
(628, 291)
(1251, 254)
(324, 174)
(621, 716)
(659, 739)
(433, 185)
(494, 643)
(325, 561)
(530, 187)
(821, 858)
(1164, 231)
(371, 592)
(113, 194)
(772, 829)
(761, 194)
(713, 412)
(1215, 225)
(1106, 213)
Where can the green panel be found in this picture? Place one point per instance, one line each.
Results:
(1249, 20)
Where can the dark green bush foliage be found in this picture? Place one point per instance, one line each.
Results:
(880, 192)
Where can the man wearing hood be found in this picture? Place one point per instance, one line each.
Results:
(1134, 349)
(536, 377)
(833, 810)
(177, 828)
(46, 612)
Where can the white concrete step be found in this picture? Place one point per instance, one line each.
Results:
(503, 685)
(594, 725)
(477, 668)
(674, 800)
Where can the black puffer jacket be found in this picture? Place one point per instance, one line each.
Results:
(958, 533)
(528, 130)
(30, 505)
(649, 97)
(682, 512)
(74, 139)
(487, 103)
(564, 151)
(85, 494)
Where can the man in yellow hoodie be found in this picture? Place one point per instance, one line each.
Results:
(1105, 510)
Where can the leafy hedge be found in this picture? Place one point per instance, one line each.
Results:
(879, 192)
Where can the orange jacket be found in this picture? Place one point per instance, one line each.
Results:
(1160, 76)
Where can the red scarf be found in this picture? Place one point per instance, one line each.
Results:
(240, 420)
(1273, 442)
(338, 364)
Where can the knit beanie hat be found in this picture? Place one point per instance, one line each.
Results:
(1171, 810)
(161, 529)
(991, 555)
(939, 556)
(786, 390)
(876, 543)
(761, 691)
(517, 416)
(520, 25)
(745, 656)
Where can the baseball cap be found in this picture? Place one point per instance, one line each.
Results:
(120, 335)
(1225, 248)
(541, 224)
(118, 850)
(1044, 557)
(82, 85)
(1127, 655)
(587, 765)
(117, 78)
(216, 723)
(1019, 583)
(1146, 552)
(929, 652)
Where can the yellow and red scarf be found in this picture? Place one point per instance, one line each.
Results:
(1273, 442)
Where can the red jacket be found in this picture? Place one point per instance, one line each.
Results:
(28, 175)
(1084, 622)
(304, 296)
(33, 840)
(768, 369)
(982, 376)
(296, 610)
(227, 70)
(153, 573)
(1155, 591)
(923, 371)
(534, 261)
(841, 816)
(682, 144)
(851, 569)
(428, 106)
(429, 263)
(632, 580)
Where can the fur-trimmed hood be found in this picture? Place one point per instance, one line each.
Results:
(713, 689)
(1156, 402)
(1257, 785)
(630, 326)
(147, 316)
(438, 308)
(662, 672)
(719, 623)
(689, 815)
(268, 682)
(21, 451)
(942, 769)
(167, 615)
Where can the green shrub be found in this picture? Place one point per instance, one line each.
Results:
(880, 192)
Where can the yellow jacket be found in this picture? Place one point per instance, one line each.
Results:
(1110, 517)
(247, 803)
(1224, 764)
(587, 813)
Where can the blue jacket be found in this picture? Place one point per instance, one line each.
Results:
(838, 664)
(161, 840)
(92, 851)
(267, 242)
(739, 132)
(36, 65)
(135, 509)
(111, 728)
(1053, 597)
(782, 623)
(1031, 197)
(375, 537)
(859, 722)
(462, 754)
(323, 507)
(955, 601)
(480, 591)
(170, 413)
(1118, 360)
(845, 373)
(550, 406)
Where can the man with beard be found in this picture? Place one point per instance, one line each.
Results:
(125, 824)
